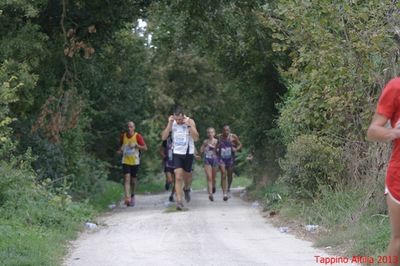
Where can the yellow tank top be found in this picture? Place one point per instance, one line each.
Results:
(130, 155)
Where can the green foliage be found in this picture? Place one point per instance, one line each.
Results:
(310, 163)
(23, 244)
(7, 95)
(189, 81)
(20, 245)
(14, 79)
(338, 52)
(118, 93)
(377, 228)
(186, 79)
(347, 218)
(55, 92)
(22, 8)
(352, 220)
(35, 218)
(84, 170)
(235, 39)
(340, 56)
(22, 48)
(73, 73)
(23, 198)
(73, 83)
(335, 207)
(107, 192)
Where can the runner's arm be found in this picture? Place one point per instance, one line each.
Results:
(203, 146)
(196, 154)
(167, 130)
(193, 130)
(140, 143)
(378, 131)
(217, 145)
(162, 151)
(238, 143)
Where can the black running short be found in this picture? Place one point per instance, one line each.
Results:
(130, 169)
(184, 161)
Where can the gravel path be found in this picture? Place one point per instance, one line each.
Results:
(208, 233)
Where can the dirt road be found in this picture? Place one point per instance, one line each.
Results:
(208, 233)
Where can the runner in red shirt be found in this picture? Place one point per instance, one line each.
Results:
(388, 110)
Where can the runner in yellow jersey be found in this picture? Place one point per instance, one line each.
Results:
(131, 143)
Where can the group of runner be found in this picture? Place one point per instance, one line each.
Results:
(219, 152)
(178, 153)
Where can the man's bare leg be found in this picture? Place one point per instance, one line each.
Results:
(188, 183)
(179, 176)
(133, 189)
(229, 171)
(133, 184)
(394, 215)
(127, 188)
(224, 183)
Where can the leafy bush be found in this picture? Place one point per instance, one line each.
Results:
(310, 162)
(35, 203)
(36, 218)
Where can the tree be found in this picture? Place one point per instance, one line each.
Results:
(235, 38)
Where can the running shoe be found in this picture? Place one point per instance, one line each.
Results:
(211, 197)
(187, 194)
(179, 206)
(225, 197)
(171, 198)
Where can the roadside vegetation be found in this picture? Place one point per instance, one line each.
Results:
(297, 82)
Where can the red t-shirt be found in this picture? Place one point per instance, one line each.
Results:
(389, 107)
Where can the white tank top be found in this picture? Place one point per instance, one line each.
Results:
(181, 139)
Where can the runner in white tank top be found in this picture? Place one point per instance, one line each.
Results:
(182, 141)
(184, 134)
